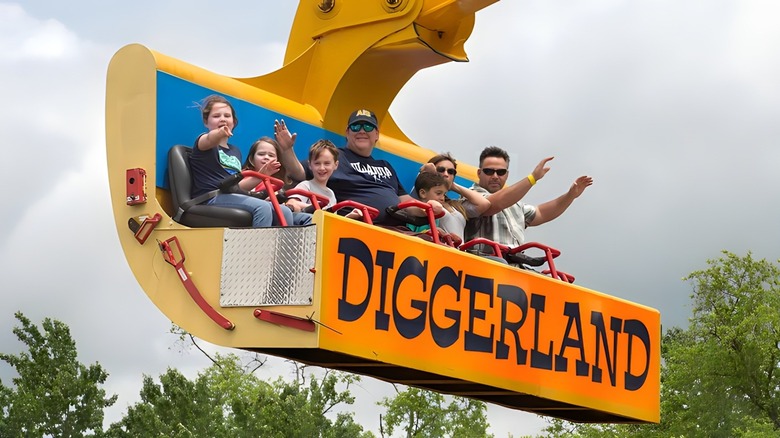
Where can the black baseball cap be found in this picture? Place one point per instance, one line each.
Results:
(363, 115)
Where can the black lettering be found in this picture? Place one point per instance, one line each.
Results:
(385, 260)
(354, 248)
(410, 328)
(446, 336)
(539, 359)
(517, 296)
(636, 329)
(572, 310)
(597, 320)
(473, 341)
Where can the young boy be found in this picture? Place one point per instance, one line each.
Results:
(323, 161)
(431, 188)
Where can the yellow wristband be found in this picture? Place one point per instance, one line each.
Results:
(531, 178)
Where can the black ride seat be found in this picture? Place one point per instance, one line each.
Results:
(201, 215)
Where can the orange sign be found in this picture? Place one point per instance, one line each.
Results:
(399, 300)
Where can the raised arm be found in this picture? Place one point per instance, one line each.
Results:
(481, 203)
(214, 138)
(552, 209)
(512, 194)
(288, 159)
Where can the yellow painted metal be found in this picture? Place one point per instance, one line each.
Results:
(130, 138)
(362, 53)
(331, 57)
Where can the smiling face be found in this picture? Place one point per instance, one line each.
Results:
(362, 142)
(220, 115)
(493, 183)
(322, 166)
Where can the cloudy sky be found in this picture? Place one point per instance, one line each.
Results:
(673, 106)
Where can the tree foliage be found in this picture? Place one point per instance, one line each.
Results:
(226, 400)
(54, 394)
(422, 413)
(725, 369)
(721, 375)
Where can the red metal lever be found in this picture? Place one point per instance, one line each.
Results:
(176, 259)
(147, 227)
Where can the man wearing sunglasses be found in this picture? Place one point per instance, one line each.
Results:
(361, 178)
(507, 218)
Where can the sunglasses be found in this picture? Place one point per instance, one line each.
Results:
(451, 171)
(489, 172)
(355, 127)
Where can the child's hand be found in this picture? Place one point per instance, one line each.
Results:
(356, 213)
(294, 206)
(220, 134)
(437, 207)
(226, 131)
(270, 168)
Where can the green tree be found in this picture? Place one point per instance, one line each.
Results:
(721, 375)
(54, 394)
(300, 408)
(421, 413)
(228, 400)
(723, 372)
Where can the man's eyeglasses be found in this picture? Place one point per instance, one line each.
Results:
(450, 170)
(489, 172)
(355, 127)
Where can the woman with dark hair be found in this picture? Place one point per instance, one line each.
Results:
(456, 211)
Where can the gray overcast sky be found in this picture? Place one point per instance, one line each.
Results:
(671, 105)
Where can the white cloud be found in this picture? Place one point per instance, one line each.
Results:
(671, 105)
(24, 38)
(754, 41)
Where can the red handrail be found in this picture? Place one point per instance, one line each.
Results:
(317, 200)
(549, 252)
(369, 213)
(428, 208)
(499, 250)
(271, 185)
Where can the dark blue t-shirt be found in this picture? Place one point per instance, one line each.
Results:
(209, 168)
(365, 180)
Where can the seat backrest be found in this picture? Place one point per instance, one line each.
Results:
(179, 176)
(180, 180)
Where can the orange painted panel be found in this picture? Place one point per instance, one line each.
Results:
(436, 309)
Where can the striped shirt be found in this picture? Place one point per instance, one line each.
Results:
(506, 227)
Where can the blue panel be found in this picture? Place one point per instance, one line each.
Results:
(179, 123)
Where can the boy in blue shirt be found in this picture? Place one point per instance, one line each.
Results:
(430, 188)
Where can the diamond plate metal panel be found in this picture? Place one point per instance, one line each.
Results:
(268, 266)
